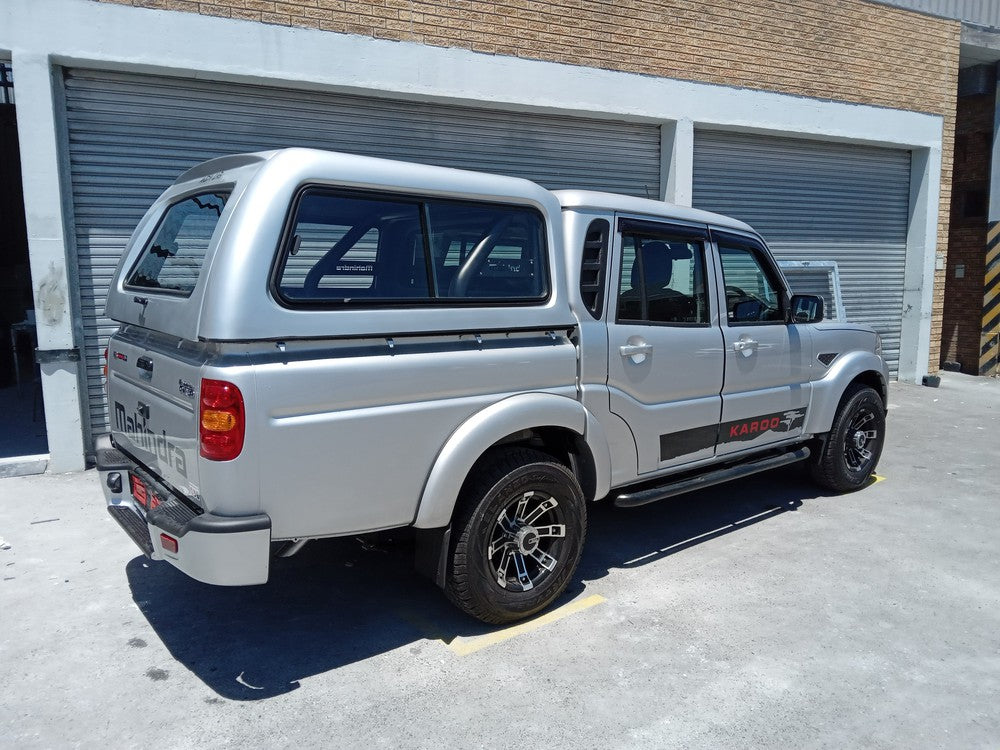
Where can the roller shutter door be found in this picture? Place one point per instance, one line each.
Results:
(819, 201)
(131, 135)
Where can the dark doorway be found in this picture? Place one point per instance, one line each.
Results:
(22, 420)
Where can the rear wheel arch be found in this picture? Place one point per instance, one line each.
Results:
(566, 446)
(508, 420)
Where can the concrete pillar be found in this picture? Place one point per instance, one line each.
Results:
(677, 162)
(48, 247)
(921, 257)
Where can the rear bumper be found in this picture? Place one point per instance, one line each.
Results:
(221, 550)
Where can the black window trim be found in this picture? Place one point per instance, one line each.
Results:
(422, 200)
(759, 249)
(661, 230)
(227, 188)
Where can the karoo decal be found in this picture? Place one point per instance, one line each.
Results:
(683, 442)
(137, 430)
(750, 429)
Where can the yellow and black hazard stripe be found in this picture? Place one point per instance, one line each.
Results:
(989, 352)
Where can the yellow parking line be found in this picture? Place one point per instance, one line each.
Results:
(464, 646)
(876, 479)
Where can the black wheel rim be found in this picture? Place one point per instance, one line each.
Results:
(526, 541)
(861, 440)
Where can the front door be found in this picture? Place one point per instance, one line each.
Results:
(766, 391)
(665, 359)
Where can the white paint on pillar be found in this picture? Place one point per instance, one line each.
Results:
(677, 161)
(918, 276)
(38, 133)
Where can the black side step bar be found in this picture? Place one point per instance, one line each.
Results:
(679, 487)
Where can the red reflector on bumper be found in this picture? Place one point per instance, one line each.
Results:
(138, 489)
(168, 543)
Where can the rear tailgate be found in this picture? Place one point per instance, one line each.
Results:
(152, 402)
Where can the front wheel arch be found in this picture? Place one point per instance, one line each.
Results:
(874, 381)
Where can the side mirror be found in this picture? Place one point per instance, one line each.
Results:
(806, 308)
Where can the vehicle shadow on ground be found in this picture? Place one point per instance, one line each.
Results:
(341, 601)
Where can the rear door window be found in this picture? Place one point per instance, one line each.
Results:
(662, 280)
(172, 259)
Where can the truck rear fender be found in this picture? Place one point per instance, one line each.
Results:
(828, 390)
(528, 411)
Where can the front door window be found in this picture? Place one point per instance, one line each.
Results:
(752, 291)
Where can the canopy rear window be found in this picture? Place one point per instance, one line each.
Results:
(172, 259)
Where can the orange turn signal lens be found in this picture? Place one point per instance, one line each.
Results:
(218, 421)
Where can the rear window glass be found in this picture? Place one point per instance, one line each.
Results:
(346, 249)
(172, 259)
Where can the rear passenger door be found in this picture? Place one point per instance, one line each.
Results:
(665, 357)
(767, 388)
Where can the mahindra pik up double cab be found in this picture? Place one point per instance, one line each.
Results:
(316, 344)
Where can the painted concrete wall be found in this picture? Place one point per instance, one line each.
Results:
(43, 37)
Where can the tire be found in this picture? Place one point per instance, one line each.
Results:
(854, 444)
(519, 528)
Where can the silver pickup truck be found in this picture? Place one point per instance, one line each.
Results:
(316, 344)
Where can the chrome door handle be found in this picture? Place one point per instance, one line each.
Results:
(630, 350)
(745, 346)
(636, 352)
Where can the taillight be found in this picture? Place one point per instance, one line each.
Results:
(221, 419)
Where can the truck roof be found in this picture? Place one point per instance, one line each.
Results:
(633, 205)
(370, 171)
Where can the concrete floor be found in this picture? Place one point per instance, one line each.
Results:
(759, 614)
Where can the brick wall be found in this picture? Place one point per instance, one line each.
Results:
(848, 50)
(967, 235)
